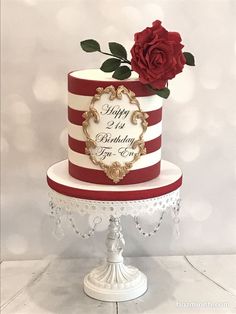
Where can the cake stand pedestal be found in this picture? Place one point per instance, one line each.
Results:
(113, 281)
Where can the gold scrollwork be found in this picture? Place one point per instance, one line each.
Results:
(116, 171)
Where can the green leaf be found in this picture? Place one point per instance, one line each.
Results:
(189, 58)
(90, 45)
(110, 65)
(118, 50)
(164, 93)
(122, 73)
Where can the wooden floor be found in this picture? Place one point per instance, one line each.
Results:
(176, 284)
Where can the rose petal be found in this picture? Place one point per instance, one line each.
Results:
(157, 55)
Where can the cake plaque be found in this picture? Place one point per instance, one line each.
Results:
(114, 126)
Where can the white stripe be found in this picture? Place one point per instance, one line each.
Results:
(147, 103)
(83, 160)
(76, 131)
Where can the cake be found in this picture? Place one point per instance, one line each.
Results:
(115, 121)
(115, 131)
(114, 150)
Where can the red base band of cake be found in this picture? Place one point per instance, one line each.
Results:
(99, 177)
(88, 87)
(111, 195)
(59, 180)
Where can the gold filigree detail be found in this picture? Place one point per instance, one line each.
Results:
(116, 171)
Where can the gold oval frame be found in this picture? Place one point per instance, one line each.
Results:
(116, 171)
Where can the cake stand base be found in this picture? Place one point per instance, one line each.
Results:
(133, 288)
(115, 281)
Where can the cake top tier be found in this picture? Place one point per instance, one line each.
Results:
(85, 82)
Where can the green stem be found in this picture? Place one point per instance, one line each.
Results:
(150, 87)
(109, 54)
(128, 62)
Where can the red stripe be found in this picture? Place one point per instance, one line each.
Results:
(99, 177)
(153, 145)
(75, 116)
(154, 116)
(76, 146)
(88, 87)
(79, 146)
(111, 195)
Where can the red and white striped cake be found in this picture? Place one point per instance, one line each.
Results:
(82, 87)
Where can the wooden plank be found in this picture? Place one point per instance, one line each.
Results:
(175, 287)
(56, 287)
(220, 268)
(17, 274)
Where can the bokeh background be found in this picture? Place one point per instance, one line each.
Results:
(40, 44)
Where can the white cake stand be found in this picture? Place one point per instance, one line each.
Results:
(114, 281)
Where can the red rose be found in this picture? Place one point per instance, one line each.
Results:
(157, 55)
